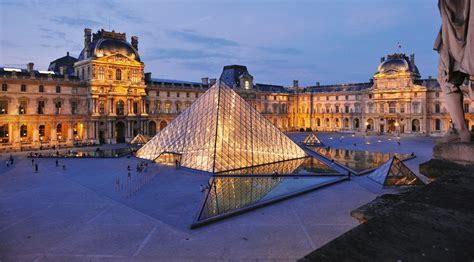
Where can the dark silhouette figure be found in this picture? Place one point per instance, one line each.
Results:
(36, 168)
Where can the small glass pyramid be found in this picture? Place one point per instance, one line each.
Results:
(219, 132)
(139, 140)
(395, 173)
(312, 140)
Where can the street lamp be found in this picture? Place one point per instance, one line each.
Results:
(41, 143)
(21, 144)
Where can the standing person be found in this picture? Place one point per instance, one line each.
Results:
(32, 161)
(177, 163)
(57, 163)
(36, 168)
(11, 159)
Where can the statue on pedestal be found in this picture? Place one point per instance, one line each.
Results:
(455, 45)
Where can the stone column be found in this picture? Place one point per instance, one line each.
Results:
(54, 135)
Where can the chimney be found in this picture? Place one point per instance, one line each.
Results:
(212, 81)
(135, 42)
(412, 59)
(29, 66)
(67, 54)
(148, 77)
(87, 41)
(205, 80)
(382, 59)
(318, 84)
(295, 83)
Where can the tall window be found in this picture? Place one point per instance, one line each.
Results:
(118, 74)
(168, 108)
(42, 131)
(101, 107)
(402, 108)
(416, 107)
(23, 88)
(466, 108)
(178, 107)
(40, 107)
(58, 89)
(135, 107)
(392, 107)
(437, 125)
(23, 131)
(437, 108)
(22, 108)
(337, 108)
(41, 89)
(357, 108)
(73, 107)
(4, 135)
(346, 108)
(101, 73)
(4, 87)
(59, 131)
(370, 107)
(58, 107)
(381, 108)
(134, 73)
(3, 107)
(120, 108)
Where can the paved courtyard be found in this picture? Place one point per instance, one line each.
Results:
(76, 214)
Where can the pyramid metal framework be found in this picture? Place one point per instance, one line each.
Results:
(140, 139)
(220, 131)
(395, 173)
(312, 140)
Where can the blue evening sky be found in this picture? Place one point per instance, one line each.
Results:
(331, 41)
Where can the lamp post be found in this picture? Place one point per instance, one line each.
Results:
(41, 143)
(21, 144)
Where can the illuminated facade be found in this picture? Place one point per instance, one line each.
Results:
(104, 96)
(221, 132)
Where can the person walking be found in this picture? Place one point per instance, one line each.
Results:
(57, 163)
(36, 168)
(11, 159)
(32, 161)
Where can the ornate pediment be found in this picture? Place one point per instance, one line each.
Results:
(118, 59)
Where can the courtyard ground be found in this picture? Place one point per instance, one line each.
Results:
(76, 214)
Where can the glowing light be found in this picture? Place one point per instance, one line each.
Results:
(11, 69)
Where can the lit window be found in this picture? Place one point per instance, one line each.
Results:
(466, 108)
(247, 85)
(23, 131)
(4, 135)
(73, 107)
(4, 87)
(23, 88)
(3, 107)
(120, 108)
(40, 107)
(168, 108)
(101, 73)
(118, 74)
(58, 107)
(22, 108)
(101, 107)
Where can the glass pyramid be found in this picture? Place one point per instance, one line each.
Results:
(220, 131)
(395, 173)
(312, 140)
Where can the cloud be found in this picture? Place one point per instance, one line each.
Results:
(280, 50)
(75, 21)
(9, 44)
(193, 37)
(180, 54)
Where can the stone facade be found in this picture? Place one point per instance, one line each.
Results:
(104, 96)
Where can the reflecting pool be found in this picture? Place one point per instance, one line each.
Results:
(357, 161)
(108, 153)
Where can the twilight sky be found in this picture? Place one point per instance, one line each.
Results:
(330, 41)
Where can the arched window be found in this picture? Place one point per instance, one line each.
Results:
(23, 131)
(4, 135)
(437, 125)
(327, 122)
(120, 108)
(336, 124)
(118, 74)
(42, 131)
(318, 122)
(369, 124)
(59, 131)
(356, 123)
(346, 123)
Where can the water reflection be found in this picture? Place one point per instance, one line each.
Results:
(357, 160)
(98, 153)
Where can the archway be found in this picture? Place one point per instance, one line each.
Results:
(415, 125)
(369, 124)
(78, 131)
(120, 132)
(391, 125)
(163, 124)
(356, 123)
(152, 128)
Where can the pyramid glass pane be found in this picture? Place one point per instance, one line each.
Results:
(312, 140)
(220, 131)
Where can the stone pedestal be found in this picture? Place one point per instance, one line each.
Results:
(461, 153)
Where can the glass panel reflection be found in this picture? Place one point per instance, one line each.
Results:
(226, 195)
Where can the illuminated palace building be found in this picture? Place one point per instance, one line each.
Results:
(104, 96)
